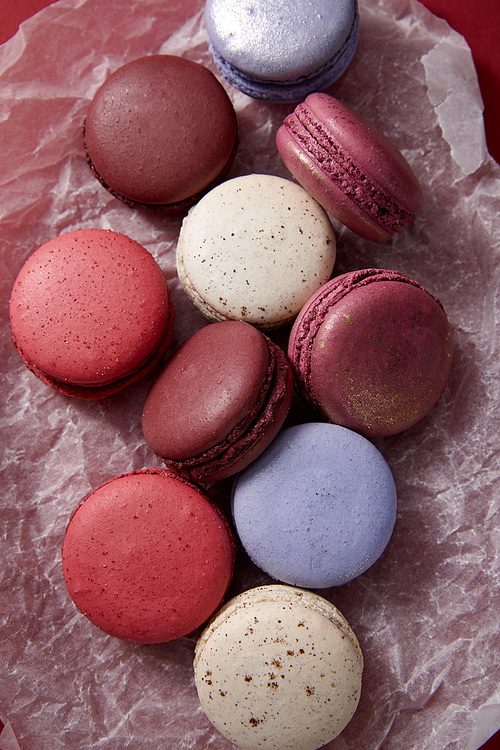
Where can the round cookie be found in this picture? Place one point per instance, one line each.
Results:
(147, 557)
(282, 51)
(279, 667)
(254, 249)
(160, 132)
(218, 402)
(78, 314)
(317, 508)
(371, 350)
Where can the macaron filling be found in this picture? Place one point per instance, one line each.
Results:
(331, 157)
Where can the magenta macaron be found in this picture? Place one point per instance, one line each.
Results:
(91, 312)
(352, 169)
(159, 132)
(147, 557)
(218, 402)
(371, 351)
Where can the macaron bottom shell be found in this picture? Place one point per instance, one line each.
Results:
(279, 668)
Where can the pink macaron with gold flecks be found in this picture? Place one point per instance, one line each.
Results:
(372, 351)
(91, 313)
(352, 169)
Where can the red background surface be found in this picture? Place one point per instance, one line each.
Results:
(478, 22)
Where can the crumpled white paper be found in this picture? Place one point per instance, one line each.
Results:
(427, 612)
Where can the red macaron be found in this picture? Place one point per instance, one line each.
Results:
(91, 313)
(147, 557)
(159, 132)
(371, 351)
(352, 169)
(218, 402)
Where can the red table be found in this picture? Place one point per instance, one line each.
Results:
(478, 22)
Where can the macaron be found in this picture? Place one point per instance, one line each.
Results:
(317, 508)
(91, 313)
(279, 667)
(372, 351)
(159, 132)
(219, 401)
(357, 174)
(282, 51)
(147, 557)
(254, 249)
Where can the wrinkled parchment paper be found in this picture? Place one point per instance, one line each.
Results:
(427, 613)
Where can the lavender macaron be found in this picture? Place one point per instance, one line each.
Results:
(282, 51)
(317, 508)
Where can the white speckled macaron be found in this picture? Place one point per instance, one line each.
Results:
(279, 668)
(254, 249)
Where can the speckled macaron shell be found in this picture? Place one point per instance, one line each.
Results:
(317, 508)
(282, 51)
(160, 131)
(357, 174)
(91, 312)
(218, 402)
(254, 249)
(279, 667)
(147, 557)
(372, 351)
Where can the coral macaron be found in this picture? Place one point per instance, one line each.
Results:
(159, 132)
(218, 402)
(91, 312)
(372, 351)
(352, 169)
(147, 557)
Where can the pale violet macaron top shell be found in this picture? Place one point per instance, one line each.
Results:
(280, 50)
(317, 508)
(279, 667)
(254, 249)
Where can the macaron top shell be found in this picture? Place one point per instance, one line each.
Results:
(355, 172)
(317, 508)
(279, 667)
(160, 130)
(147, 558)
(279, 41)
(217, 403)
(254, 249)
(372, 351)
(89, 307)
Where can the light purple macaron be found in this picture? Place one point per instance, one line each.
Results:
(317, 508)
(282, 51)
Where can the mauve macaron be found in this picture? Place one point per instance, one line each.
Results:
(147, 557)
(219, 401)
(159, 132)
(317, 508)
(91, 313)
(282, 51)
(357, 174)
(254, 249)
(372, 350)
(279, 667)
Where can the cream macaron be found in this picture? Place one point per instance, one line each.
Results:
(278, 667)
(254, 249)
